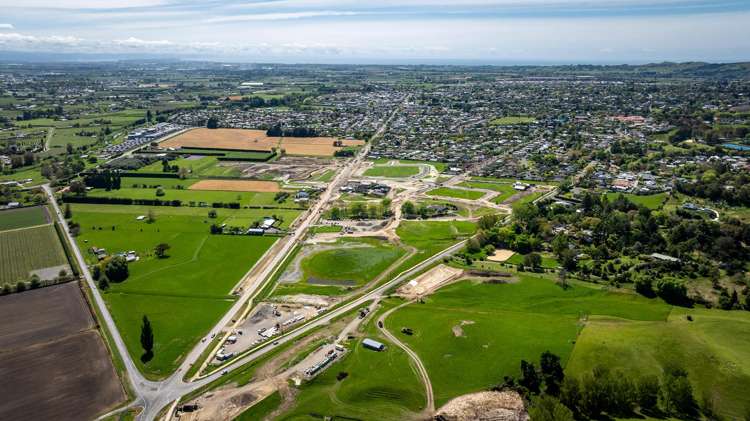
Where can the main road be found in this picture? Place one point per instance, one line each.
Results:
(153, 396)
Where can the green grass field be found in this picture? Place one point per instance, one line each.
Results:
(512, 120)
(430, 238)
(457, 193)
(528, 198)
(394, 171)
(548, 262)
(22, 218)
(29, 249)
(325, 176)
(714, 348)
(182, 294)
(652, 201)
(502, 324)
(196, 196)
(358, 261)
(380, 386)
(506, 190)
(439, 166)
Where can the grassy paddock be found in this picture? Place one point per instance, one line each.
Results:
(714, 348)
(183, 294)
(502, 324)
(651, 201)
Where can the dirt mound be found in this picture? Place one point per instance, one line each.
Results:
(485, 406)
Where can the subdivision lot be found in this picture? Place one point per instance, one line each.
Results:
(53, 364)
(23, 217)
(237, 185)
(480, 332)
(26, 250)
(506, 190)
(182, 294)
(256, 140)
(68, 379)
(42, 315)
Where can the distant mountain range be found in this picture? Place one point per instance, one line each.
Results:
(686, 70)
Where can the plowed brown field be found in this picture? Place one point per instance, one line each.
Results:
(237, 185)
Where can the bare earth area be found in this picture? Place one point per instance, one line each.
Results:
(429, 281)
(53, 363)
(237, 185)
(495, 406)
(501, 255)
(256, 140)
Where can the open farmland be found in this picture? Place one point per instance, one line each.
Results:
(29, 249)
(237, 185)
(23, 217)
(182, 294)
(49, 334)
(480, 332)
(256, 140)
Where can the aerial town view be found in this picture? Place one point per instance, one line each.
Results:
(333, 210)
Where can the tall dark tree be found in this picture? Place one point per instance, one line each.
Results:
(552, 373)
(147, 339)
(529, 377)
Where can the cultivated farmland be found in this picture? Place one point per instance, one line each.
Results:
(49, 334)
(256, 140)
(26, 250)
(23, 218)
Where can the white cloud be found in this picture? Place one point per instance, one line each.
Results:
(137, 42)
(79, 4)
(280, 16)
(6, 26)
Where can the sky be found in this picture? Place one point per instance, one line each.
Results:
(384, 31)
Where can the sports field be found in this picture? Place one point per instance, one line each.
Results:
(256, 140)
(183, 294)
(24, 250)
(714, 348)
(479, 332)
(393, 171)
(23, 218)
(456, 193)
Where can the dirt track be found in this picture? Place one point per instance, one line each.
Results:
(237, 185)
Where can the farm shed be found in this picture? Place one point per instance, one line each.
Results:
(374, 345)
